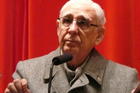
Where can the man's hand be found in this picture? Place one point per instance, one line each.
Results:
(17, 86)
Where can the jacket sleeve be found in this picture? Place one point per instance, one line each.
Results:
(18, 74)
(132, 81)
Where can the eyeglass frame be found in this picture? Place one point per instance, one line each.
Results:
(68, 25)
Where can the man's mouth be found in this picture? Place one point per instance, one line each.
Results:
(71, 43)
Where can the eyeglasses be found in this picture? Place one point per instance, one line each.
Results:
(81, 22)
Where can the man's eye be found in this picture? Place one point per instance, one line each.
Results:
(67, 21)
(82, 23)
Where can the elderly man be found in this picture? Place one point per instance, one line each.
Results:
(80, 27)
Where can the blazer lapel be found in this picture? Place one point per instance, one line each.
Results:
(60, 82)
(96, 67)
(49, 63)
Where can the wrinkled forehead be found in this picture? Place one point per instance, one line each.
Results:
(77, 10)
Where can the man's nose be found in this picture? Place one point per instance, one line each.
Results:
(73, 28)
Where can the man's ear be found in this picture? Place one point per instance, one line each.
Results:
(57, 26)
(100, 36)
(57, 23)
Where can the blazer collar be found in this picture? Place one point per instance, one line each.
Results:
(59, 81)
(48, 65)
(96, 66)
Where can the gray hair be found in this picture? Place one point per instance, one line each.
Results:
(99, 11)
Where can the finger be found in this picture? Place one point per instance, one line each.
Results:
(133, 91)
(24, 86)
(12, 88)
(23, 82)
(7, 90)
(18, 85)
(27, 91)
(137, 90)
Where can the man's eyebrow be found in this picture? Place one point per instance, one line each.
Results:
(83, 17)
(68, 14)
(78, 17)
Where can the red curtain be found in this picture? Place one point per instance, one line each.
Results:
(27, 30)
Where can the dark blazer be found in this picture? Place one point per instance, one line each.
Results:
(104, 76)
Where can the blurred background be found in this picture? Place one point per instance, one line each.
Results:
(28, 30)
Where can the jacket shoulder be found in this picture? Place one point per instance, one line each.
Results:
(120, 68)
(34, 66)
(120, 78)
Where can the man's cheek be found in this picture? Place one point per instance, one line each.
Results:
(59, 33)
